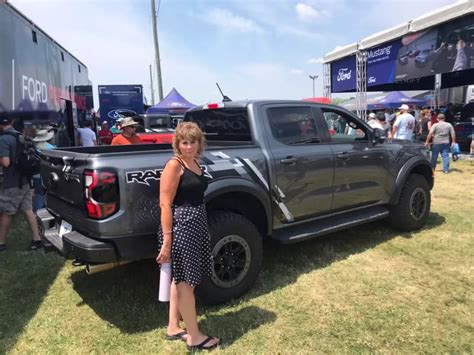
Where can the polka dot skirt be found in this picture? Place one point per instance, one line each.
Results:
(191, 247)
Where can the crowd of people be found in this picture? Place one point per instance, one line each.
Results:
(432, 127)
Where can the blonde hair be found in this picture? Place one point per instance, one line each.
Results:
(191, 131)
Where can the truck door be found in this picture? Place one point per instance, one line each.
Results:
(360, 175)
(303, 168)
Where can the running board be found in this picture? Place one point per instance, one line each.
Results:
(331, 224)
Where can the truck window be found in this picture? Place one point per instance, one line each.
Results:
(227, 124)
(292, 125)
(343, 128)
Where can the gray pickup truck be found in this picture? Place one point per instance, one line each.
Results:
(285, 170)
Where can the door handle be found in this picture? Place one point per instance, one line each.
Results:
(288, 161)
(343, 156)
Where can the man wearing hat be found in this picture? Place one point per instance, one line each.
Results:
(404, 124)
(42, 139)
(15, 194)
(129, 133)
(372, 122)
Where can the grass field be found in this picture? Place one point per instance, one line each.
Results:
(370, 289)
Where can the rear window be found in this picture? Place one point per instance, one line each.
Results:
(222, 124)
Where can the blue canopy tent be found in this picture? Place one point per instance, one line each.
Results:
(394, 100)
(172, 104)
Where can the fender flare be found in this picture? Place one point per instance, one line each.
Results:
(403, 174)
(236, 184)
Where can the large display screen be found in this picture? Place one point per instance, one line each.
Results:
(343, 74)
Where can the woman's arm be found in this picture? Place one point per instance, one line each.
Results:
(168, 185)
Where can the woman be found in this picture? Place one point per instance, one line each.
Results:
(183, 236)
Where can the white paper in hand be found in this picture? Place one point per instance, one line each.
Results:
(165, 283)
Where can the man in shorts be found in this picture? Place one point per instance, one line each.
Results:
(15, 194)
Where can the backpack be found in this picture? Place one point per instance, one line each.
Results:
(27, 158)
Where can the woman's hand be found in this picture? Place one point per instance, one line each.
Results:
(164, 256)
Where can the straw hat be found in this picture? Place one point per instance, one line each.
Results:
(127, 121)
(43, 136)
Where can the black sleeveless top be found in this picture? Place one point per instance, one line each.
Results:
(191, 187)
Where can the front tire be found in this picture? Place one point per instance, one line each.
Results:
(236, 247)
(413, 207)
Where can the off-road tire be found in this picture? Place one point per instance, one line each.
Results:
(413, 207)
(235, 274)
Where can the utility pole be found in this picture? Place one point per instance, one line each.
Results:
(157, 51)
(152, 89)
(313, 77)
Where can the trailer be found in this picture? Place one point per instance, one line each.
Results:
(41, 82)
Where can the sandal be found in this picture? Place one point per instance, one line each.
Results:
(178, 336)
(202, 346)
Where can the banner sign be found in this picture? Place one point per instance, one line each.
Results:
(119, 101)
(412, 61)
(381, 62)
(343, 74)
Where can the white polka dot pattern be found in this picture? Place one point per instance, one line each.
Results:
(191, 247)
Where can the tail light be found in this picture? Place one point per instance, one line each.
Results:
(101, 193)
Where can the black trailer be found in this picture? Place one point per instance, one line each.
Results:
(40, 81)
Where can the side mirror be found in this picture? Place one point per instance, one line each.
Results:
(378, 136)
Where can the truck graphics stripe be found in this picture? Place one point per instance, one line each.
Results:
(289, 217)
(220, 155)
(276, 196)
(256, 172)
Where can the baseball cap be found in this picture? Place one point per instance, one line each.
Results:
(404, 107)
(371, 115)
(4, 120)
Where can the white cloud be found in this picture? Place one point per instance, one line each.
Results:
(315, 60)
(229, 22)
(307, 12)
(296, 72)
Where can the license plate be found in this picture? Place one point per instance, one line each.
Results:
(64, 228)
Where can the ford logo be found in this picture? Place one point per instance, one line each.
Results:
(121, 113)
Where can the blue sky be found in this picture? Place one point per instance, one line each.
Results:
(253, 48)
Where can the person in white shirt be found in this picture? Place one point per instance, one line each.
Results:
(404, 124)
(373, 122)
(87, 137)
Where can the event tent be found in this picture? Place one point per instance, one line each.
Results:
(393, 100)
(174, 103)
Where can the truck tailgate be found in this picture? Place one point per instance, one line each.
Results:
(63, 176)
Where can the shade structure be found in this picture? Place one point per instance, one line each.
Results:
(393, 100)
(173, 104)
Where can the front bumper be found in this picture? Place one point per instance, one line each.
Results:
(73, 245)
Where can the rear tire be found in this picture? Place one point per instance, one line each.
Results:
(413, 207)
(236, 247)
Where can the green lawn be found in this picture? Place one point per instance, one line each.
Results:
(370, 289)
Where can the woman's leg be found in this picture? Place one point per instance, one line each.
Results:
(174, 315)
(187, 308)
